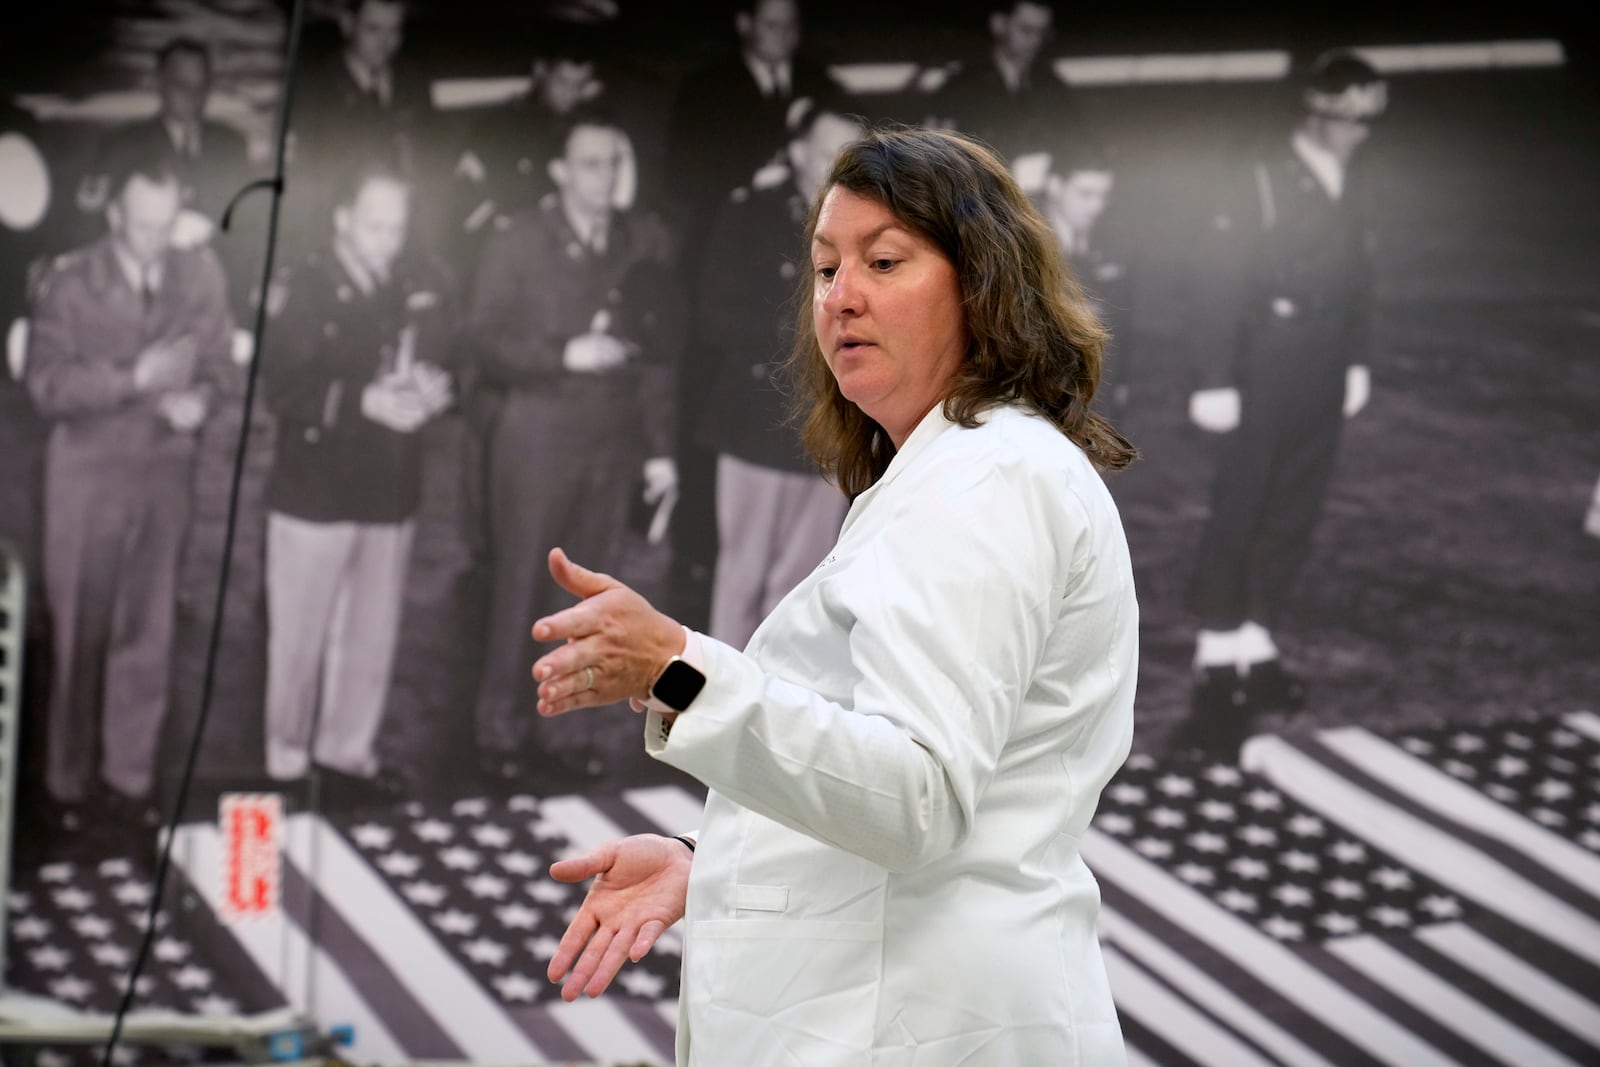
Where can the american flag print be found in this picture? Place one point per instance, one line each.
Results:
(73, 933)
(1358, 899)
(1414, 900)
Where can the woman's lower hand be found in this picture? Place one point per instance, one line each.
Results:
(640, 886)
(616, 643)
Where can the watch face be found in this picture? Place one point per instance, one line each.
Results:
(678, 685)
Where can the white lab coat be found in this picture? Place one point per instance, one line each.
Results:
(901, 765)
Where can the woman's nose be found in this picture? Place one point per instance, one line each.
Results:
(843, 296)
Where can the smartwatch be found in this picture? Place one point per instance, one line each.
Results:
(681, 680)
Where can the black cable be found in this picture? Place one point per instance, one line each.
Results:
(275, 186)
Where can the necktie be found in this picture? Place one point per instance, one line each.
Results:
(147, 291)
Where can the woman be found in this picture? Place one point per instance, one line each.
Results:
(904, 758)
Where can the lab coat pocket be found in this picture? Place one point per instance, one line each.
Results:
(783, 991)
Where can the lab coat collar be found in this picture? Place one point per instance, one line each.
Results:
(932, 425)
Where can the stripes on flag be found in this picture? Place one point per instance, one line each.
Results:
(311, 982)
(1449, 797)
(1444, 856)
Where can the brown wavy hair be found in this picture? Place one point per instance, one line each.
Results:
(1032, 335)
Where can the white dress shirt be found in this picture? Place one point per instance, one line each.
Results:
(901, 766)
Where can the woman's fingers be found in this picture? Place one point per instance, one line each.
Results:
(578, 934)
(572, 987)
(648, 933)
(603, 956)
(585, 971)
(567, 659)
(575, 691)
(616, 954)
(569, 624)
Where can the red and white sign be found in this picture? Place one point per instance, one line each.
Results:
(251, 833)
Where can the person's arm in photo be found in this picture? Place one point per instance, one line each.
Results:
(1220, 289)
(428, 340)
(1358, 376)
(218, 377)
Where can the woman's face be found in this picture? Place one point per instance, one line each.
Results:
(886, 304)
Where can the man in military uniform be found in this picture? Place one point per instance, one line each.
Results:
(352, 373)
(776, 516)
(577, 326)
(1291, 271)
(127, 353)
(502, 172)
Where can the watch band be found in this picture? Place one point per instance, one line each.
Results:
(694, 656)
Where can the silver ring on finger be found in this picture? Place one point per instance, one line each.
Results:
(588, 678)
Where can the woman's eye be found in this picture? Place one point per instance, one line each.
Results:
(882, 264)
(826, 273)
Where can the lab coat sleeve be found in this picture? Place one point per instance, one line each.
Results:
(948, 620)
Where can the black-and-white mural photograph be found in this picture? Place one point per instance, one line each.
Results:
(326, 321)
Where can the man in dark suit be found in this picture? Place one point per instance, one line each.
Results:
(729, 118)
(577, 326)
(352, 371)
(209, 157)
(1008, 98)
(128, 351)
(357, 103)
(776, 516)
(1288, 284)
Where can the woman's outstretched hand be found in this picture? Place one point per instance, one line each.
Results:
(640, 885)
(616, 643)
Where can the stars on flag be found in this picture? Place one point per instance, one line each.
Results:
(1542, 770)
(1258, 854)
